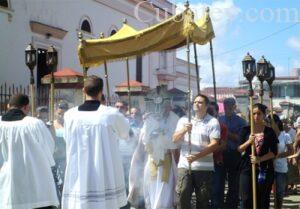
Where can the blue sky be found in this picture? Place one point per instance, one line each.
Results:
(270, 27)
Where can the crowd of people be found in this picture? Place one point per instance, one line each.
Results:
(96, 156)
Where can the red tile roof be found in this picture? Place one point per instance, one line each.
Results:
(66, 72)
(131, 83)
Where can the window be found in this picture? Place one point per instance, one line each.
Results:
(4, 3)
(86, 27)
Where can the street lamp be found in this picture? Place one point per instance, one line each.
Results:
(30, 60)
(51, 61)
(262, 74)
(249, 71)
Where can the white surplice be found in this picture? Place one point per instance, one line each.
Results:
(155, 141)
(26, 180)
(94, 176)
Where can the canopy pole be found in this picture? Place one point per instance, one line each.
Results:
(213, 69)
(106, 76)
(189, 94)
(128, 85)
(197, 68)
(107, 83)
(85, 70)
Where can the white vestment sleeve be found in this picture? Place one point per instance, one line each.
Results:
(46, 141)
(121, 125)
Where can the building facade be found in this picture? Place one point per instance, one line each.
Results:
(57, 23)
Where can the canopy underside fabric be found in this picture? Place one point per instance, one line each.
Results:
(127, 42)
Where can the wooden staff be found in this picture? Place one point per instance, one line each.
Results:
(189, 95)
(107, 83)
(106, 77)
(52, 97)
(213, 69)
(197, 68)
(128, 85)
(251, 93)
(32, 93)
(85, 71)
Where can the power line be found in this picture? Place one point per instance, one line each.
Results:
(259, 40)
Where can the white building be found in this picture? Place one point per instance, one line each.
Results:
(57, 23)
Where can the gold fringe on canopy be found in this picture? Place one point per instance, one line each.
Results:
(128, 42)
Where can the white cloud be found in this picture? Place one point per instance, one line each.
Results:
(222, 12)
(294, 43)
(228, 67)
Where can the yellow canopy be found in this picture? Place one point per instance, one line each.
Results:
(128, 42)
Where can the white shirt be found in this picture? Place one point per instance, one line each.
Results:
(26, 180)
(280, 164)
(202, 132)
(94, 176)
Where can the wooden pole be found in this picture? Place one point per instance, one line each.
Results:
(189, 94)
(32, 94)
(52, 98)
(213, 69)
(251, 93)
(107, 83)
(197, 68)
(261, 92)
(85, 70)
(128, 85)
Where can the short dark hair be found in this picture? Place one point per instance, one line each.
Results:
(18, 101)
(93, 85)
(206, 100)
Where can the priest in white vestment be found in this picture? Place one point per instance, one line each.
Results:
(160, 170)
(26, 148)
(94, 176)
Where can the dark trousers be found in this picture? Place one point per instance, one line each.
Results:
(218, 186)
(199, 182)
(263, 190)
(232, 160)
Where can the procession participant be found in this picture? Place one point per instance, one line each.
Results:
(155, 147)
(128, 146)
(293, 168)
(205, 135)
(26, 147)
(60, 147)
(285, 149)
(218, 185)
(266, 142)
(94, 174)
(232, 157)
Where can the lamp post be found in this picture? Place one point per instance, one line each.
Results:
(262, 74)
(30, 60)
(51, 61)
(249, 72)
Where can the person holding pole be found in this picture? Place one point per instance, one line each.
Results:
(205, 135)
(265, 141)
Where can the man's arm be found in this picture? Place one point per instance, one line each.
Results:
(179, 135)
(212, 147)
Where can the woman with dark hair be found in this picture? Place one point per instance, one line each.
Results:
(280, 163)
(265, 141)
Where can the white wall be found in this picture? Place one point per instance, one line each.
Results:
(16, 34)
